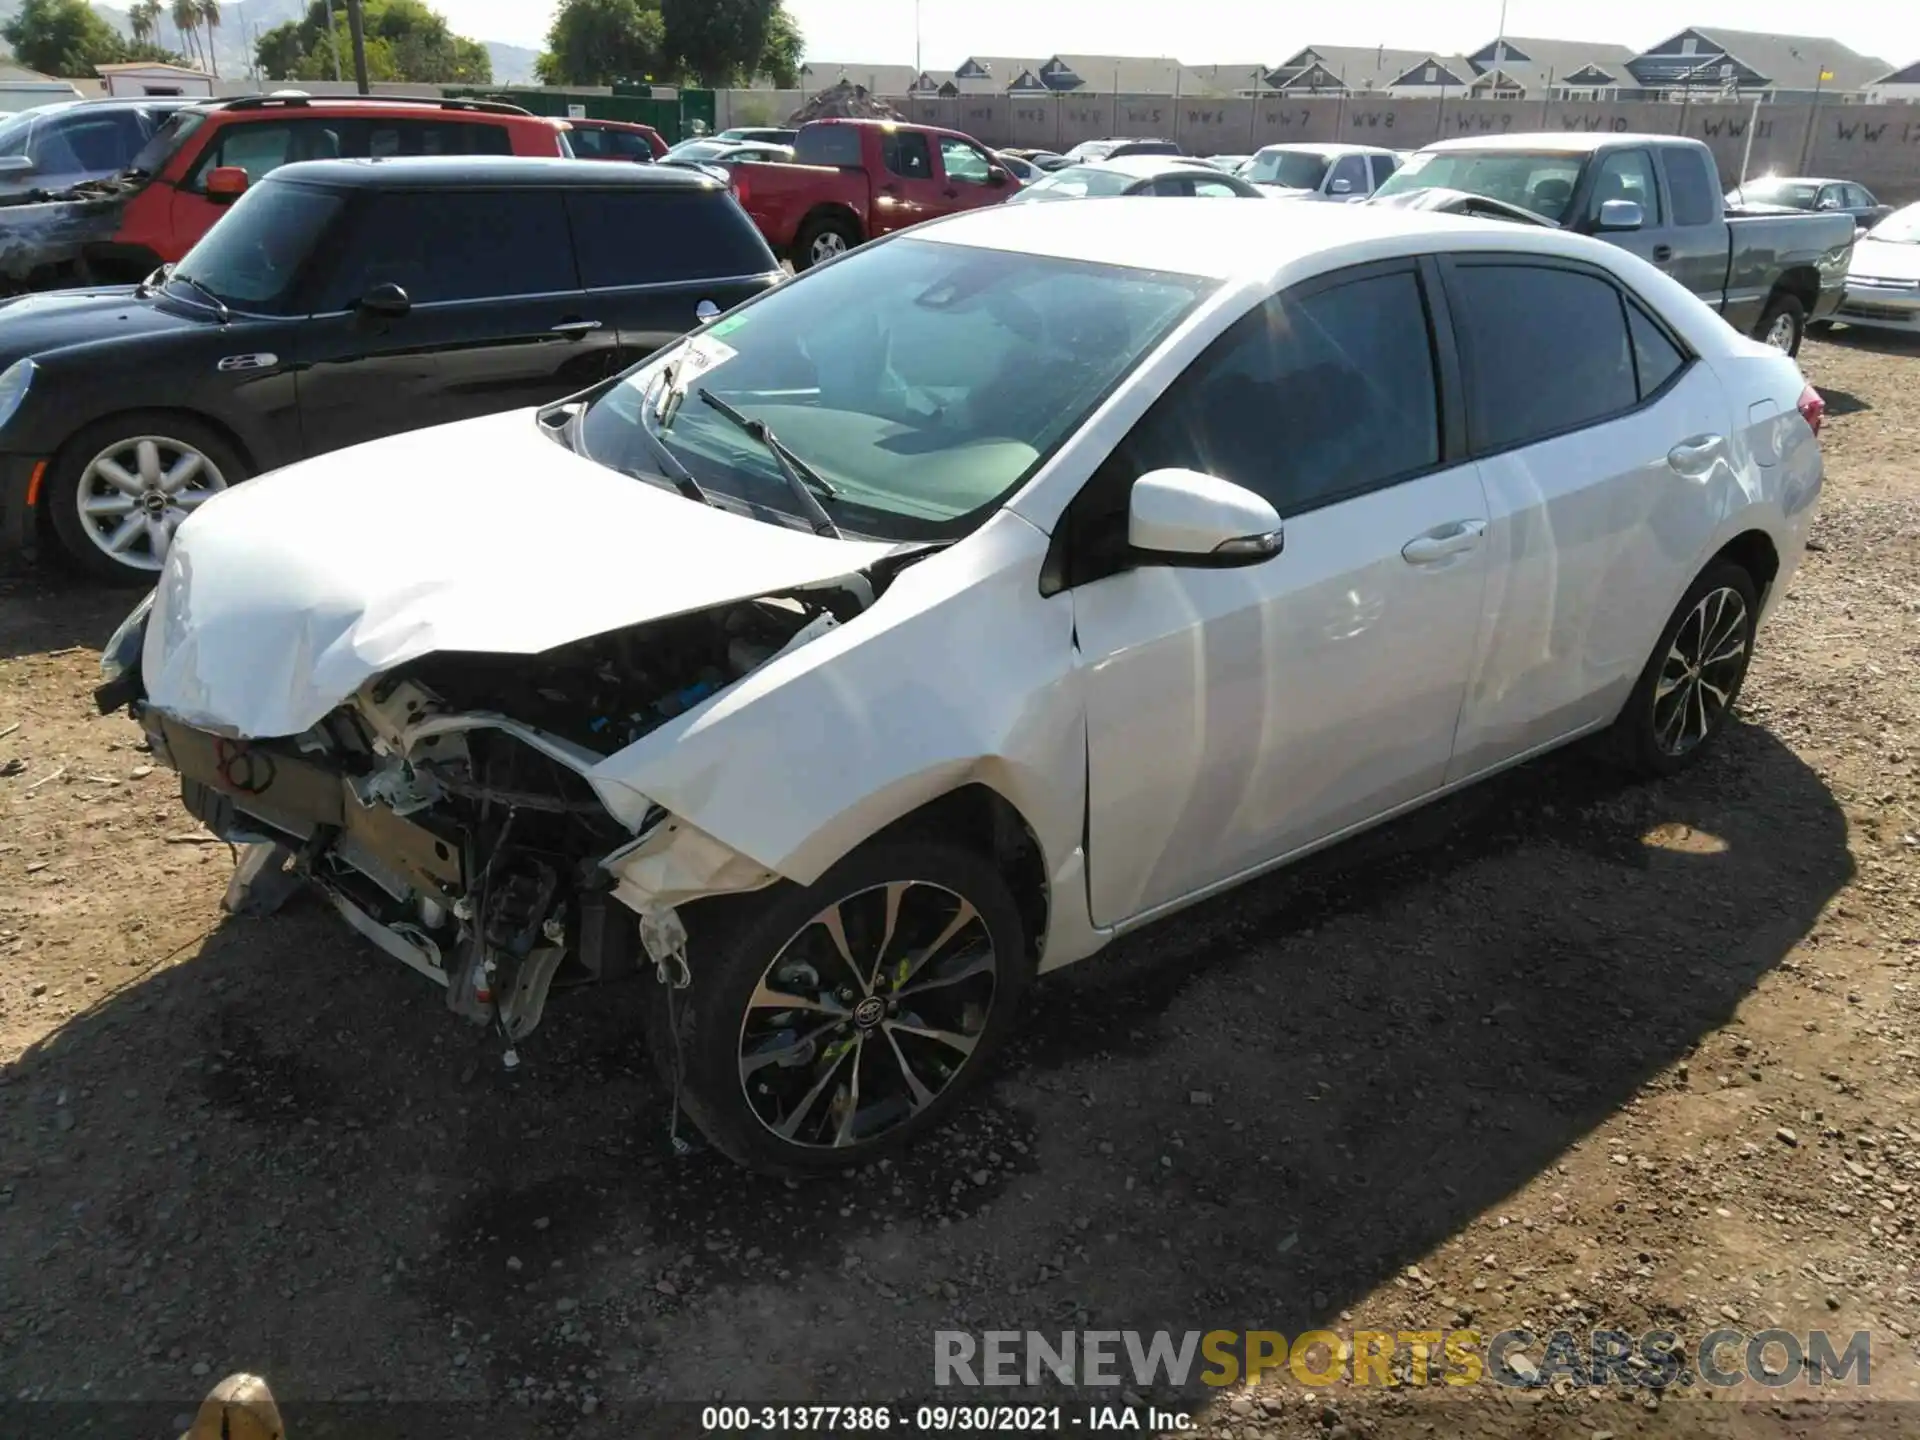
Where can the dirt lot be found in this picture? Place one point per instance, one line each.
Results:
(1561, 1052)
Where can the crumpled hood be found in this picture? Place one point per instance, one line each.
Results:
(284, 595)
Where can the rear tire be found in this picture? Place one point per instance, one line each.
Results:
(1687, 691)
(768, 1084)
(823, 238)
(1783, 324)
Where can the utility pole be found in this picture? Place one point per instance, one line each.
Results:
(356, 23)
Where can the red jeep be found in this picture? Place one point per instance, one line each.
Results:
(851, 180)
(205, 157)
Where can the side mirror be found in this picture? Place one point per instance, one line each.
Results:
(1196, 519)
(1828, 204)
(1621, 215)
(1340, 187)
(997, 177)
(15, 167)
(226, 184)
(384, 302)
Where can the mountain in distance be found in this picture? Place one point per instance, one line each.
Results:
(244, 21)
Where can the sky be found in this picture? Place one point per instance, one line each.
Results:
(1203, 32)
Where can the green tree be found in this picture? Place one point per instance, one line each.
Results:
(780, 57)
(596, 42)
(406, 40)
(61, 37)
(144, 20)
(718, 41)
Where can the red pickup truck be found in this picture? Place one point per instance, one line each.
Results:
(851, 180)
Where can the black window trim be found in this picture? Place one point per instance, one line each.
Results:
(1058, 570)
(1453, 261)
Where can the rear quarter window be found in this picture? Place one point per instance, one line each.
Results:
(656, 237)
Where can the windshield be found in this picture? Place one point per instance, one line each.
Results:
(1291, 169)
(1900, 228)
(1795, 193)
(167, 140)
(1093, 149)
(252, 258)
(922, 381)
(702, 149)
(1076, 182)
(1541, 183)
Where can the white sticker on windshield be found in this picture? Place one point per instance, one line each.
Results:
(703, 355)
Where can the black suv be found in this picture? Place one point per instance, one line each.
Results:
(340, 301)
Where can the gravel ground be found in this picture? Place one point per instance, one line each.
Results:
(1559, 1052)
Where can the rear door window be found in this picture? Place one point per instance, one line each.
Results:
(1383, 166)
(1525, 381)
(448, 245)
(1696, 201)
(656, 237)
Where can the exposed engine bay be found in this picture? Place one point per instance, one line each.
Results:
(445, 809)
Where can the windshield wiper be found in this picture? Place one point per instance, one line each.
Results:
(802, 479)
(668, 462)
(219, 305)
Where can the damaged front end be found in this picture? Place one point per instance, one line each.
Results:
(47, 238)
(453, 810)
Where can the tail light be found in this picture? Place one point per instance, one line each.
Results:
(1813, 409)
(740, 190)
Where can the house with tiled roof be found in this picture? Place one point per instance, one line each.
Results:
(1898, 87)
(1713, 61)
(1433, 77)
(1524, 68)
(1343, 69)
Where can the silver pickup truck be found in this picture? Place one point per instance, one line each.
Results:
(1770, 274)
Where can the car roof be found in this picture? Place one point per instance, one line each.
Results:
(1236, 242)
(386, 106)
(594, 123)
(105, 102)
(1143, 166)
(432, 172)
(1329, 148)
(1553, 143)
(1796, 180)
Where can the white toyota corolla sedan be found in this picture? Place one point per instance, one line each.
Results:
(936, 618)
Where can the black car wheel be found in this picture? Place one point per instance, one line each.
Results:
(119, 490)
(1687, 691)
(830, 1023)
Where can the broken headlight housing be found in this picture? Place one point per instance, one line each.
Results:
(120, 660)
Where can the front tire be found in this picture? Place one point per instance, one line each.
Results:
(829, 1024)
(120, 488)
(1687, 691)
(1783, 324)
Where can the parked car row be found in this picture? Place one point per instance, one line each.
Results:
(1883, 280)
(833, 672)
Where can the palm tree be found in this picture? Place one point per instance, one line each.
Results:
(210, 17)
(143, 19)
(186, 19)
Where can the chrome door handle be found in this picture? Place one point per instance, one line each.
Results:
(1694, 453)
(1662, 254)
(1439, 543)
(576, 329)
